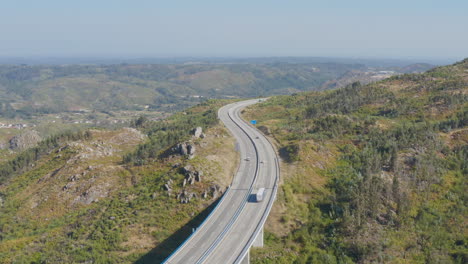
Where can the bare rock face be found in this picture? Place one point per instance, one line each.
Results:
(191, 150)
(185, 197)
(198, 176)
(197, 132)
(25, 140)
(168, 187)
(185, 149)
(215, 191)
(93, 194)
(191, 175)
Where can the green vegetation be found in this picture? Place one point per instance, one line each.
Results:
(379, 172)
(376, 173)
(23, 160)
(176, 128)
(45, 216)
(27, 91)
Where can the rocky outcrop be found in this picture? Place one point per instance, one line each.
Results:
(215, 191)
(185, 149)
(168, 187)
(198, 132)
(93, 194)
(185, 197)
(25, 140)
(191, 175)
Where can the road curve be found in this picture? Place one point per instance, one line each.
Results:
(231, 228)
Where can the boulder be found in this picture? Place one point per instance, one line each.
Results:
(191, 180)
(74, 177)
(190, 149)
(197, 132)
(198, 176)
(215, 190)
(187, 169)
(183, 149)
(185, 197)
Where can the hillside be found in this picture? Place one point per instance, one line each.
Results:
(114, 196)
(27, 91)
(372, 173)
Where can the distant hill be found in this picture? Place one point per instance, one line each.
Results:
(41, 89)
(370, 62)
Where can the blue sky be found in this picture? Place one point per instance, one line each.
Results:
(240, 28)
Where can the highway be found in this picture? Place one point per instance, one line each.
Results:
(231, 228)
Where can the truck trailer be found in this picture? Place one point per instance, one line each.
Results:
(260, 194)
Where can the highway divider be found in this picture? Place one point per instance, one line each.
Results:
(240, 208)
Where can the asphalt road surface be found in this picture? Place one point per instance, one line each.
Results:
(229, 231)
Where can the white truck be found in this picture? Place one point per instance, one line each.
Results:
(260, 194)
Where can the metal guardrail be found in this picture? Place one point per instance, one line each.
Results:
(240, 208)
(259, 225)
(213, 246)
(199, 227)
(246, 249)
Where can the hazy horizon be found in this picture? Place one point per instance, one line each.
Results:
(56, 60)
(417, 30)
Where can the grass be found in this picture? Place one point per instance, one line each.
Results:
(131, 216)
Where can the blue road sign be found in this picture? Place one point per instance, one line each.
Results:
(253, 122)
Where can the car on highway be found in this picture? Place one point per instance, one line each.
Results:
(247, 159)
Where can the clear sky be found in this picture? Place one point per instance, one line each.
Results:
(239, 28)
